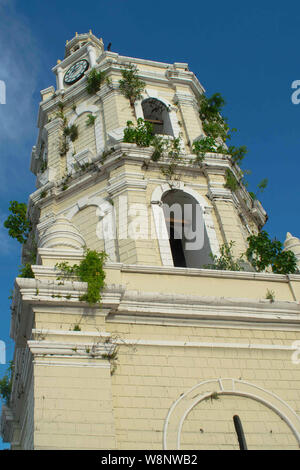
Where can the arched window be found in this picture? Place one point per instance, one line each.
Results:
(188, 238)
(157, 113)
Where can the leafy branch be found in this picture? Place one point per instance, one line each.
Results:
(6, 384)
(143, 136)
(131, 86)
(218, 133)
(17, 223)
(89, 270)
(94, 81)
(226, 260)
(264, 253)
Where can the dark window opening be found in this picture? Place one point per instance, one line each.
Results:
(176, 249)
(157, 114)
(240, 432)
(189, 243)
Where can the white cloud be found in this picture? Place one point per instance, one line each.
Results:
(19, 59)
(19, 69)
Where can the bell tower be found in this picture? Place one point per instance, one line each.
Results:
(173, 346)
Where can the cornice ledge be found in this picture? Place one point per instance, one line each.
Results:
(219, 193)
(187, 77)
(83, 51)
(157, 298)
(182, 307)
(64, 292)
(259, 213)
(205, 272)
(96, 350)
(7, 424)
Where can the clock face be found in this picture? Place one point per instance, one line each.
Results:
(76, 71)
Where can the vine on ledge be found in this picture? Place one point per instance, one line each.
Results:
(143, 136)
(89, 270)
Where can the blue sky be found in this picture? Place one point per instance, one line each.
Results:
(246, 51)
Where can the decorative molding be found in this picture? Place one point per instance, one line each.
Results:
(98, 350)
(180, 409)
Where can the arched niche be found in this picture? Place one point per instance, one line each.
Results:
(215, 389)
(105, 228)
(183, 222)
(162, 108)
(83, 151)
(157, 113)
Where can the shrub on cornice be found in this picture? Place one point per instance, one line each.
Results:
(264, 253)
(26, 271)
(202, 146)
(89, 270)
(217, 133)
(94, 81)
(226, 260)
(230, 181)
(142, 134)
(131, 86)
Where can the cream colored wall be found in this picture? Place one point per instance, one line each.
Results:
(147, 382)
(73, 407)
(90, 227)
(86, 135)
(85, 407)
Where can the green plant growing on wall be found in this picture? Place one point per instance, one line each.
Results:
(43, 165)
(6, 384)
(142, 134)
(173, 154)
(89, 270)
(71, 132)
(260, 188)
(218, 133)
(212, 396)
(64, 148)
(17, 223)
(94, 81)
(237, 153)
(270, 295)
(264, 253)
(159, 145)
(90, 120)
(131, 86)
(203, 146)
(226, 260)
(26, 271)
(230, 181)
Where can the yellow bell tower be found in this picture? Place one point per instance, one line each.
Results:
(176, 355)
